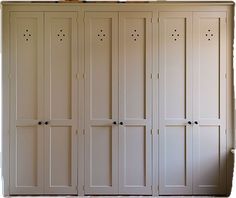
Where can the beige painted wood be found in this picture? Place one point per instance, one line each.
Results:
(155, 105)
(175, 103)
(181, 6)
(80, 102)
(230, 101)
(26, 136)
(60, 103)
(209, 135)
(211, 127)
(135, 103)
(101, 103)
(5, 130)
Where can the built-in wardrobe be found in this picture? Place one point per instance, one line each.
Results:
(117, 98)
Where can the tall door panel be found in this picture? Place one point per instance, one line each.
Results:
(101, 103)
(60, 103)
(26, 61)
(175, 103)
(209, 103)
(135, 103)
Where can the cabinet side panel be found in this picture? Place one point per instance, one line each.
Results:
(5, 101)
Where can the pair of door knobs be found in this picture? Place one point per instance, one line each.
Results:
(41, 122)
(189, 122)
(195, 122)
(121, 123)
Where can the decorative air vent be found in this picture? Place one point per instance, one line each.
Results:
(27, 35)
(135, 35)
(101, 35)
(209, 35)
(175, 35)
(61, 35)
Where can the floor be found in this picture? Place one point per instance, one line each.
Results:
(117, 196)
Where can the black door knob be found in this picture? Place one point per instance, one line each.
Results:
(46, 122)
(189, 122)
(114, 122)
(40, 123)
(195, 122)
(121, 123)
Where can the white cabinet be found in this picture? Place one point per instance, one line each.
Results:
(192, 103)
(117, 99)
(118, 103)
(43, 103)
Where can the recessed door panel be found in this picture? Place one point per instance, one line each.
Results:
(101, 103)
(60, 67)
(175, 75)
(60, 152)
(60, 103)
(26, 62)
(26, 84)
(135, 103)
(101, 68)
(175, 103)
(26, 169)
(209, 103)
(209, 68)
(209, 164)
(175, 136)
(101, 151)
(135, 68)
(135, 147)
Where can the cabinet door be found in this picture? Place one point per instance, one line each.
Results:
(101, 103)
(60, 103)
(26, 136)
(175, 103)
(209, 165)
(135, 67)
